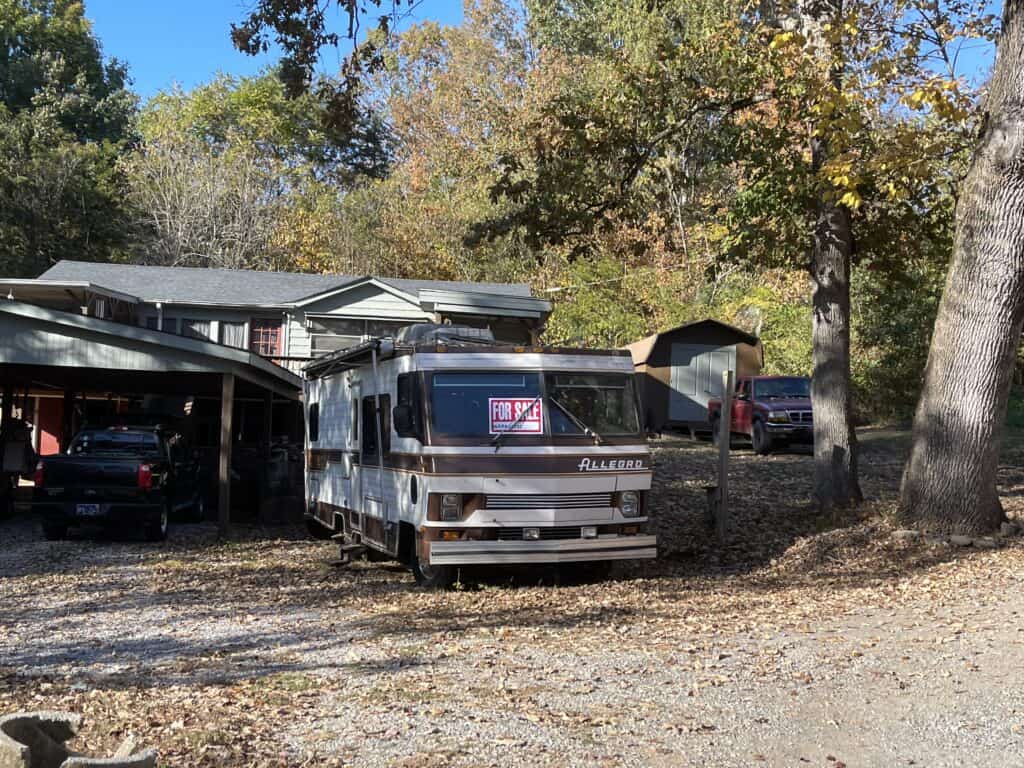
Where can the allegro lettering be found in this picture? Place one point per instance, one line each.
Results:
(610, 465)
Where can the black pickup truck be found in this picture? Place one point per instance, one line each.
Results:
(123, 478)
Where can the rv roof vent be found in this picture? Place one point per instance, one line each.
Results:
(432, 332)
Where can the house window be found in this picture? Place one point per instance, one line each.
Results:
(265, 338)
(232, 334)
(153, 323)
(329, 335)
(379, 328)
(196, 329)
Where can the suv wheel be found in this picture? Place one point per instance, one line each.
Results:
(760, 439)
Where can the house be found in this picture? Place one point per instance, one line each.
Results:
(681, 368)
(289, 318)
(94, 343)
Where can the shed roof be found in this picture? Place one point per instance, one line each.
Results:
(641, 350)
(240, 287)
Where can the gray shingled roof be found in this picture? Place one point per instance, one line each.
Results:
(241, 287)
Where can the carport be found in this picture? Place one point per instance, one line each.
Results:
(82, 365)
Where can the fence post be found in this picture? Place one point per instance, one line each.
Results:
(725, 427)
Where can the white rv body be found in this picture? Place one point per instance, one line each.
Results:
(548, 490)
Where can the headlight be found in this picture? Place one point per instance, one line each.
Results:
(629, 504)
(451, 506)
(778, 417)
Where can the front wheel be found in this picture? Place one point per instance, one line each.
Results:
(157, 530)
(430, 576)
(760, 439)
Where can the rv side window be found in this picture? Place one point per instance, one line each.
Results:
(407, 419)
(370, 426)
(314, 422)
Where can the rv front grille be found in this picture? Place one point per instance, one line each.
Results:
(547, 534)
(513, 501)
(801, 417)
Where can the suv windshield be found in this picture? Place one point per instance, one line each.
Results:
(484, 405)
(105, 441)
(788, 387)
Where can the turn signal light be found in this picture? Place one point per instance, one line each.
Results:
(145, 476)
(450, 535)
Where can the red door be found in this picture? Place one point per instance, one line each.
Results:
(742, 408)
(49, 422)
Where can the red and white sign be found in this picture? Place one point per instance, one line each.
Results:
(524, 412)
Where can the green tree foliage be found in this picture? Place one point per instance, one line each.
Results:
(236, 174)
(65, 119)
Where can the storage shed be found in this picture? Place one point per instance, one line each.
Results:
(681, 368)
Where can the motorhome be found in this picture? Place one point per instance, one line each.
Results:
(443, 448)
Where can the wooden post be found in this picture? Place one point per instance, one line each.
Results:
(722, 520)
(227, 410)
(67, 421)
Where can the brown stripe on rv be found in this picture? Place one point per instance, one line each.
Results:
(492, 463)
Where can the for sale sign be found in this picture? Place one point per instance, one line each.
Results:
(518, 415)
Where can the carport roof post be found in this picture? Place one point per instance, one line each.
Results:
(46, 337)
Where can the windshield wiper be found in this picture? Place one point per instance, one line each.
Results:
(496, 441)
(589, 432)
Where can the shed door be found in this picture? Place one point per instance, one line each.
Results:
(696, 376)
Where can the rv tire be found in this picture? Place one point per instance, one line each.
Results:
(317, 529)
(430, 576)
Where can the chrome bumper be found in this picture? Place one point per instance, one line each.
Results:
(561, 551)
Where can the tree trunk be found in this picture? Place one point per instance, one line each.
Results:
(835, 443)
(949, 484)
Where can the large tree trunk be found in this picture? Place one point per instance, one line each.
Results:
(949, 484)
(835, 443)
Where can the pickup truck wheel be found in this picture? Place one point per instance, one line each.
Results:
(760, 439)
(430, 576)
(197, 513)
(157, 530)
(54, 531)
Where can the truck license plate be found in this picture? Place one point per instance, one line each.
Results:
(88, 510)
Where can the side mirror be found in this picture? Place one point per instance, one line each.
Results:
(403, 418)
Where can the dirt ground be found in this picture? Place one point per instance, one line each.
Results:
(800, 641)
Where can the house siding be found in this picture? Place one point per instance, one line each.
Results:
(369, 302)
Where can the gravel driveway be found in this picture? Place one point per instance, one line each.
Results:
(797, 642)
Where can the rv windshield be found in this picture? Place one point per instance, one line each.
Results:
(484, 404)
(602, 402)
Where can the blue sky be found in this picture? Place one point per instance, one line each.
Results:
(187, 41)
